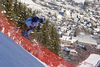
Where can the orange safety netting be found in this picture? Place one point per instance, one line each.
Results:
(35, 48)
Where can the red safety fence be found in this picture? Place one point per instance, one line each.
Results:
(36, 49)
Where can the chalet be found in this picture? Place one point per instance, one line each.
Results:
(67, 14)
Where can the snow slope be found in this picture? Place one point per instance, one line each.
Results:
(31, 4)
(12, 55)
(44, 9)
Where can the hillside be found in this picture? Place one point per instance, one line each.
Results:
(86, 20)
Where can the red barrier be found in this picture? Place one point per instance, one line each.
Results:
(35, 48)
(0, 28)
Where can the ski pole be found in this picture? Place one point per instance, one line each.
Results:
(28, 11)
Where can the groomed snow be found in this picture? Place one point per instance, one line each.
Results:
(12, 55)
(92, 60)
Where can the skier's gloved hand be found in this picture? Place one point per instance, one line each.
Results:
(30, 27)
(34, 27)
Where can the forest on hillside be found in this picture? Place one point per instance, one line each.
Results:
(45, 33)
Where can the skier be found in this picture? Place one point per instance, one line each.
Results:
(32, 22)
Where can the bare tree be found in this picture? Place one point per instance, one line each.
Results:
(77, 31)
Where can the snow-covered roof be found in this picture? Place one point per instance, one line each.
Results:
(67, 12)
(63, 38)
(90, 0)
(86, 39)
(59, 16)
(80, 1)
(98, 47)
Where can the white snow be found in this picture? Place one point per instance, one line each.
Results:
(43, 9)
(92, 61)
(85, 39)
(98, 47)
(13, 55)
(90, 0)
(80, 1)
(31, 4)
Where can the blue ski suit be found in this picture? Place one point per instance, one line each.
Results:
(32, 22)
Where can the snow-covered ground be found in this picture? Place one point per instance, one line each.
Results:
(31, 4)
(92, 61)
(37, 7)
(45, 10)
(12, 55)
(85, 39)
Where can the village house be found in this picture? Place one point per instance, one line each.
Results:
(67, 14)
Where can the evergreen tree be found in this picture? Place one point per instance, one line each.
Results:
(55, 42)
(15, 7)
(51, 38)
(34, 13)
(46, 34)
(17, 12)
(8, 7)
